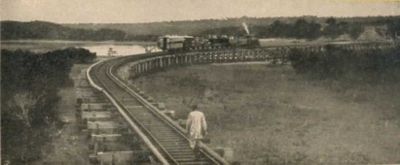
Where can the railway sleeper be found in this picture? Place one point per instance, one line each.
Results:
(109, 146)
(105, 137)
(180, 151)
(166, 136)
(170, 140)
(94, 106)
(93, 99)
(172, 144)
(177, 148)
(158, 125)
(133, 107)
(191, 158)
(97, 116)
(195, 163)
(184, 152)
(120, 157)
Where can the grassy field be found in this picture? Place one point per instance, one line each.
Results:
(270, 115)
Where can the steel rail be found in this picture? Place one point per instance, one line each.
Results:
(135, 127)
(206, 150)
(210, 156)
(111, 77)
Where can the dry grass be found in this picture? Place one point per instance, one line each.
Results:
(270, 115)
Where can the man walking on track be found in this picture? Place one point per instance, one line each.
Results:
(196, 126)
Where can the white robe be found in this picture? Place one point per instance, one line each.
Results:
(196, 123)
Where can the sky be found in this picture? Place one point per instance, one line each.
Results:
(134, 11)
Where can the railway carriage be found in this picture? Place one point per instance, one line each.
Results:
(175, 43)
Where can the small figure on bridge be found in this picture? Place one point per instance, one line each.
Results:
(196, 126)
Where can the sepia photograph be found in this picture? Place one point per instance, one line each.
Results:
(200, 82)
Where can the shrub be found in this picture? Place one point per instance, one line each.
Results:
(335, 63)
(29, 88)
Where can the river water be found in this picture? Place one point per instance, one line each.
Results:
(116, 50)
(100, 48)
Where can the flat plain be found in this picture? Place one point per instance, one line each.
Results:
(271, 115)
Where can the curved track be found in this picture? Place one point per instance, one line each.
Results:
(168, 140)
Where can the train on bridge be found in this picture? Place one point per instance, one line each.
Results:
(185, 43)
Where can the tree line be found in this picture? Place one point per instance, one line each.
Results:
(373, 66)
(46, 30)
(30, 83)
(301, 28)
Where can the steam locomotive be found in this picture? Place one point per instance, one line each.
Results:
(185, 43)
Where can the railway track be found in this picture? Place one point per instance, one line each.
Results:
(165, 139)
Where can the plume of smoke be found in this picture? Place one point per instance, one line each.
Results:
(246, 28)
